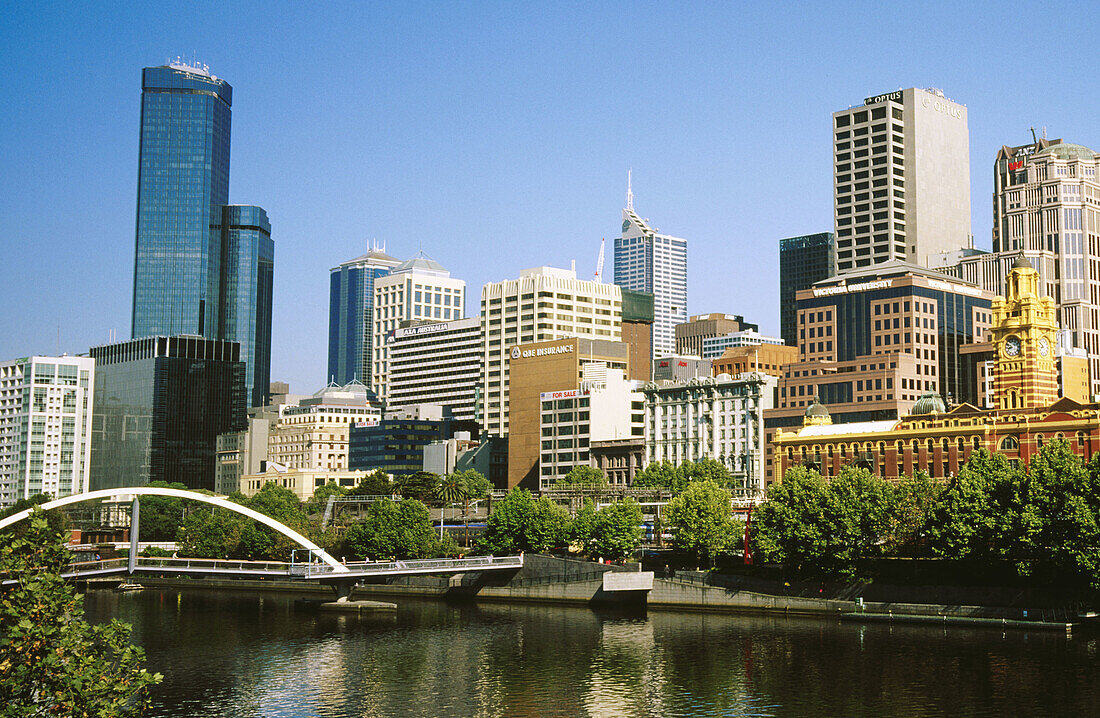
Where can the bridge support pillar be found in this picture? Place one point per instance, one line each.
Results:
(131, 562)
(343, 590)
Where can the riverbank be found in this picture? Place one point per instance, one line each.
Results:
(552, 580)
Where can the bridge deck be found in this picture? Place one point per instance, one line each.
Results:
(276, 569)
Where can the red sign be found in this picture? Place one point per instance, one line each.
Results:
(664, 363)
(683, 363)
(1013, 166)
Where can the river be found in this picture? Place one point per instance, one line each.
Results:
(249, 654)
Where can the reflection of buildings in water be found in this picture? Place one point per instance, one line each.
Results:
(624, 677)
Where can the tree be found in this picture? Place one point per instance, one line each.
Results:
(582, 528)
(160, 516)
(212, 533)
(321, 495)
(618, 529)
(582, 475)
(914, 500)
(401, 529)
(477, 486)
(57, 520)
(701, 520)
(420, 486)
(969, 520)
(706, 469)
(52, 661)
(376, 483)
(520, 522)
(660, 475)
(452, 489)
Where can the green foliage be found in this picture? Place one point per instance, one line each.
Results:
(583, 527)
(663, 475)
(477, 486)
(401, 529)
(154, 552)
(968, 522)
(451, 489)
(376, 483)
(702, 521)
(420, 486)
(660, 475)
(212, 532)
(57, 520)
(914, 500)
(161, 516)
(582, 476)
(321, 494)
(618, 529)
(520, 522)
(706, 470)
(52, 661)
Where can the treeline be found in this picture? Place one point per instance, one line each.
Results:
(1042, 520)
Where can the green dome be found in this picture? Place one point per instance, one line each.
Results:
(816, 408)
(1068, 151)
(929, 403)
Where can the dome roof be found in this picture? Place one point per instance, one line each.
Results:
(421, 263)
(929, 403)
(1022, 263)
(1068, 151)
(816, 414)
(816, 408)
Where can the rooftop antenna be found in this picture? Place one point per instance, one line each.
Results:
(1044, 132)
(1034, 139)
(599, 262)
(629, 191)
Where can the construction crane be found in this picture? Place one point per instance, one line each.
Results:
(599, 262)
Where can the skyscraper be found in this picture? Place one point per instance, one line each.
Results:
(646, 261)
(901, 175)
(200, 267)
(803, 261)
(351, 315)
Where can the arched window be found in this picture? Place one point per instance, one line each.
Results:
(1010, 443)
(1038, 441)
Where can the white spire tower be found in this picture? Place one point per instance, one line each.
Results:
(629, 191)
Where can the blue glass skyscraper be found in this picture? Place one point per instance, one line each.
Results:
(183, 181)
(201, 266)
(351, 315)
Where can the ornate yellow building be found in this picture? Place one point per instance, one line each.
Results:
(1027, 411)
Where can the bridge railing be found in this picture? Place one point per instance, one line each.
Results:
(213, 564)
(426, 565)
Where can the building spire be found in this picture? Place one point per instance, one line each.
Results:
(629, 191)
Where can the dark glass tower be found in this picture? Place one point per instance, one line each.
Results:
(248, 265)
(802, 262)
(183, 181)
(351, 315)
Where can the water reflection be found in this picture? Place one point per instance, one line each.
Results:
(245, 654)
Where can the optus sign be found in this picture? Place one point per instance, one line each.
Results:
(541, 351)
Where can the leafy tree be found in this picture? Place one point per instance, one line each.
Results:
(212, 533)
(618, 529)
(702, 521)
(321, 495)
(477, 486)
(160, 516)
(376, 483)
(520, 522)
(660, 475)
(420, 486)
(402, 529)
(452, 489)
(52, 661)
(583, 527)
(706, 469)
(969, 521)
(582, 476)
(914, 500)
(57, 520)
(278, 502)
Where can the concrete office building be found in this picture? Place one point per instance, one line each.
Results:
(436, 363)
(46, 406)
(637, 332)
(647, 261)
(160, 404)
(680, 368)
(714, 347)
(544, 304)
(396, 443)
(692, 334)
(314, 434)
(719, 418)
(557, 365)
(351, 315)
(1046, 208)
(605, 407)
(803, 261)
(240, 453)
(901, 179)
(766, 359)
(418, 289)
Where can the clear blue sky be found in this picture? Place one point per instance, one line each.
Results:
(494, 136)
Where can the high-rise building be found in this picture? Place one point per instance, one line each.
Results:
(803, 261)
(436, 363)
(646, 261)
(417, 289)
(1045, 209)
(901, 177)
(160, 404)
(351, 315)
(692, 334)
(200, 267)
(45, 426)
(249, 276)
(544, 304)
(637, 333)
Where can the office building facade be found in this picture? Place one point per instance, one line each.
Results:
(313, 435)
(46, 406)
(544, 304)
(418, 289)
(901, 179)
(351, 315)
(160, 404)
(436, 363)
(396, 444)
(647, 261)
(202, 267)
(691, 335)
(803, 261)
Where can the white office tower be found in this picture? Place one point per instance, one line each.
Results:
(646, 261)
(545, 303)
(436, 363)
(901, 179)
(45, 426)
(415, 290)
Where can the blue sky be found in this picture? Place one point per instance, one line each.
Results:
(494, 136)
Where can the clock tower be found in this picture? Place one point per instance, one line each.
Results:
(1024, 326)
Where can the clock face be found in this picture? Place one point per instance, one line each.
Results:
(1044, 347)
(626, 224)
(1012, 346)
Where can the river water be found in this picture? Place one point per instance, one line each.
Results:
(247, 654)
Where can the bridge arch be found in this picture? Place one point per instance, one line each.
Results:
(182, 494)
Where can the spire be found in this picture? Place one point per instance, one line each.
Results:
(629, 191)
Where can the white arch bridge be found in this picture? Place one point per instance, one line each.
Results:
(320, 565)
